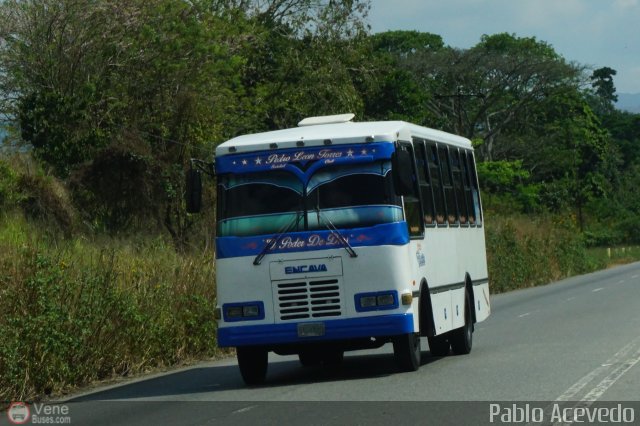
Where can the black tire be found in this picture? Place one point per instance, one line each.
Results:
(253, 363)
(462, 338)
(406, 349)
(310, 358)
(439, 345)
(333, 357)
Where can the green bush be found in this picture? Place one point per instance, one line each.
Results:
(524, 252)
(8, 185)
(76, 311)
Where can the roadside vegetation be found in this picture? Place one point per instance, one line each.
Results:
(104, 103)
(76, 310)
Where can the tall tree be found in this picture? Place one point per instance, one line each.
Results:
(605, 91)
(394, 91)
(479, 92)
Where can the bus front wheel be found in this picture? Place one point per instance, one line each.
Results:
(439, 345)
(253, 364)
(406, 350)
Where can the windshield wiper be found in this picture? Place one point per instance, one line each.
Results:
(272, 243)
(334, 231)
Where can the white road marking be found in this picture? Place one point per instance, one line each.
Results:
(634, 276)
(571, 298)
(597, 289)
(611, 378)
(245, 409)
(613, 369)
(570, 393)
(524, 315)
(621, 282)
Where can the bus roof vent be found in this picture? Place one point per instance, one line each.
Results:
(326, 119)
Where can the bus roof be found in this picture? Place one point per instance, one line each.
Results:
(338, 134)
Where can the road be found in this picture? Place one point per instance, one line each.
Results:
(576, 340)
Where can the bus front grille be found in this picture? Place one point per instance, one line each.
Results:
(309, 299)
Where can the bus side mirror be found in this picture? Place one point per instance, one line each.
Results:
(402, 172)
(194, 191)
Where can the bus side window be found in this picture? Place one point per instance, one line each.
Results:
(412, 207)
(456, 168)
(425, 183)
(475, 194)
(468, 195)
(447, 183)
(436, 182)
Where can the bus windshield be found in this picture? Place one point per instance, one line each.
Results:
(348, 196)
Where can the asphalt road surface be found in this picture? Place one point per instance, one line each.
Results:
(577, 340)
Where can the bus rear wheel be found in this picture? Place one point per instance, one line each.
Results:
(406, 350)
(253, 363)
(462, 338)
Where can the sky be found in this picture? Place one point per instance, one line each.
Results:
(594, 33)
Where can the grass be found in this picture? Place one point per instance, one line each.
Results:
(525, 252)
(77, 310)
(616, 255)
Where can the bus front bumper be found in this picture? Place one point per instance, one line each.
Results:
(340, 329)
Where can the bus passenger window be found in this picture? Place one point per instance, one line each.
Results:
(456, 169)
(447, 184)
(436, 183)
(468, 194)
(425, 183)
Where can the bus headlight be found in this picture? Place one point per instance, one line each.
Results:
(368, 302)
(380, 300)
(386, 299)
(245, 311)
(234, 311)
(250, 311)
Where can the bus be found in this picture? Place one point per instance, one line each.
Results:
(339, 235)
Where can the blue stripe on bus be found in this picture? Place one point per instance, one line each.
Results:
(343, 329)
(395, 233)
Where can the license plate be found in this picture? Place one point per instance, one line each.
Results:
(314, 329)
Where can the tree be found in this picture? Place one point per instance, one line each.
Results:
(394, 91)
(304, 58)
(515, 75)
(98, 87)
(605, 97)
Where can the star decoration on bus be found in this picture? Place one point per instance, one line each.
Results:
(301, 157)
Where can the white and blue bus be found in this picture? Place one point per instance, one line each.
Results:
(339, 235)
